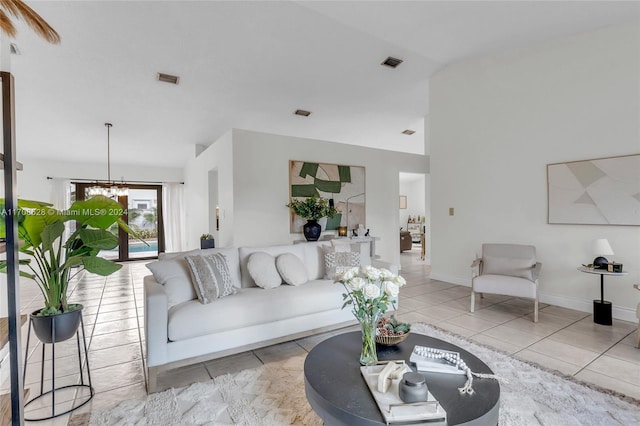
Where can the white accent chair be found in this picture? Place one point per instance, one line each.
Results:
(637, 287)
(508, 269)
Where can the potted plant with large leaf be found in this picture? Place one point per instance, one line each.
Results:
(312, 209)
(50, 255)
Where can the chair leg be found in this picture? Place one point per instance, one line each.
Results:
(638, 338)
(535, 311)
(473, 300)
(152, 379)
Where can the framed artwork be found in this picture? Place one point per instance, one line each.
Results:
(343, 184)
(403, 201)
(602, 191)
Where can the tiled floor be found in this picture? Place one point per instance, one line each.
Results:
(563, 339)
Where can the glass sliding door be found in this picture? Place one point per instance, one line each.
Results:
(143, 214)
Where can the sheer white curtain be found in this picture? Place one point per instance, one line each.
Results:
(174, 216)
(61, 193)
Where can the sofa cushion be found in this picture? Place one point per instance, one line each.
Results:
(291, 269)
(510, 266)
(172, 271)
(336, 262)
(174, 275)
(210, 276)
(262, 268)
(245, 252)
(314, 258)
(253, 306)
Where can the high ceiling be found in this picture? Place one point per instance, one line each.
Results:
(250, 65)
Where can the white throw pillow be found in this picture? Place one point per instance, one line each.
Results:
(174, 275)
(291, 269)
(262, 268)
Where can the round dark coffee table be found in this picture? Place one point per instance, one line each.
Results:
(336, 390)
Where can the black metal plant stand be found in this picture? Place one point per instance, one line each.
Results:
(53, 389)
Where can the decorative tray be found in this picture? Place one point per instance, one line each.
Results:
(393, 409)
(435, 365)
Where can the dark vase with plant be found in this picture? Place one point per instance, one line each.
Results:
(312, 209)
(51, 255)
(207, 241)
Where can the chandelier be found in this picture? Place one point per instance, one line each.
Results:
(110, 188)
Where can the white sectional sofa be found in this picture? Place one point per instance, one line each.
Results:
(180, 330)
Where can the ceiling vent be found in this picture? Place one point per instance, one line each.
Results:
(391, 62)
(13, 48)
(408, 132)
(302, 112)
(168, 78)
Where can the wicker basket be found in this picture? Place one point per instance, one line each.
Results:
(391, 340)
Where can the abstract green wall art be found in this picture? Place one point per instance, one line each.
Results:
(343, 184)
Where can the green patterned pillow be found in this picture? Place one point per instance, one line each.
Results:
(210, 276)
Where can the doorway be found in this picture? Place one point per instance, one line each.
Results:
(143, 214)
(413, 218)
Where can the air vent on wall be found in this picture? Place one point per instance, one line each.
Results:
(302, 112)
(168, 78)
(392, 62)
(408, 132)
(13, 48)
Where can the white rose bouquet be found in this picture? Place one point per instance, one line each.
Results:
(370, 291)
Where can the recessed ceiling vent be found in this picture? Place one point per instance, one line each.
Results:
(302, 112)
(408, 132)
(168, 78)
(391, 62)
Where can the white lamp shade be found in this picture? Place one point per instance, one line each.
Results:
(601, 247)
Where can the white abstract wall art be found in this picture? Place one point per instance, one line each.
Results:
(603, 191)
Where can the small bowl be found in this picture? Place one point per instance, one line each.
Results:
(391, 340)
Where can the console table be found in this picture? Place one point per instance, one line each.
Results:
(336, 390)
(601, 308)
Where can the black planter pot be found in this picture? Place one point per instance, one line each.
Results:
(312, 230)
(56, 327)
(207, 244)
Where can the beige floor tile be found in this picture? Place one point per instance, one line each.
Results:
(117, 376)
(513, 336)
(183, 376)
(110, 340)
(453, 328)
(113, 397)
(591, 342)
(625, 353)
(630, 340)
(439, 313)
(472, 323)
(565, 312)
(609, 382)
(493, 315)
(279, 352)
(232, 364)
(115, 355)
(548, 362)
(536, 328)
(414, 317)
(564, 352)
(412, 304)
(495, 343)
(616, 368)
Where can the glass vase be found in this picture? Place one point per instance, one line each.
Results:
(369, 354)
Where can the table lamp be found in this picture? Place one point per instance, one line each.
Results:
(601, 248)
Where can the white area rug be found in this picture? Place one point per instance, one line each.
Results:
(274, 395)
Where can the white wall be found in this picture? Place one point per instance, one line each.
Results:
(496, 122)
(33, 183)
(218, 157)
(259, 189)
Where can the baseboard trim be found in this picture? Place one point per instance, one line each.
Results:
(621, 313)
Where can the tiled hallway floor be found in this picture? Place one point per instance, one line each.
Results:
(563, 339)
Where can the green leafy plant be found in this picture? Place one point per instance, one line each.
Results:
(50, 257)
(206, 237)
(312, 208)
